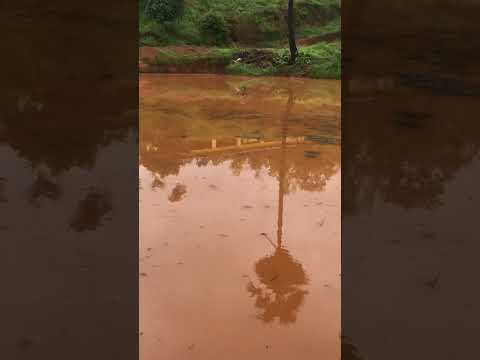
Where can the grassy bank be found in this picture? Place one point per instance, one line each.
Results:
(317, 61)
(246, 37)
(260, 23)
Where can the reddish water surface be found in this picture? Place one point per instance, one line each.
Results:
(239, 218)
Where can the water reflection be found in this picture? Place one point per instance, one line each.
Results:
(411, 161)
(230, 179)
(283, 278)
(178, 193)
(418, 158)
(3, 198)
(40, 142)
(44, 186)
(58, 160)
(91, 210)
(157, 183)
(280, 273)
(350, 351)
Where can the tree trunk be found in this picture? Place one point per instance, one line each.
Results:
(291, 32)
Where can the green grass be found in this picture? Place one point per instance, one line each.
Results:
(326, 60)
(250, 22)
(331, 27)
(214, 56)
(319, 61)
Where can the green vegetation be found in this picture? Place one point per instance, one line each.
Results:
(215, 29)
(163, 10)
(331, 27)
(317, 61)
(244, 36)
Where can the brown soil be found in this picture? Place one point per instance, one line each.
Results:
(146, 54)
(151, 52)
(316, 39)
(187, 49)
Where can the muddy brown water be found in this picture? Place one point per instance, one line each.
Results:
(239, 218)
(68, 237)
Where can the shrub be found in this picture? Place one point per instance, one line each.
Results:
(163, 10)
(215, 29)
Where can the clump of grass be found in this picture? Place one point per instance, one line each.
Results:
(325, 60)
(318, 61)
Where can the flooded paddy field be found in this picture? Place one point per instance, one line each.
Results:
(239, 218)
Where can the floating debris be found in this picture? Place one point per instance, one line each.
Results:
(311, 154)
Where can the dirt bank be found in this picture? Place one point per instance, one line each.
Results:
(147, 59)
(314, 61)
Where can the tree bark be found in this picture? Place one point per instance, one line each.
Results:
(291, 32)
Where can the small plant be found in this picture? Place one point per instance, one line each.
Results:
(304, 58)
(163, 10)
(215, 29)
(281, 58)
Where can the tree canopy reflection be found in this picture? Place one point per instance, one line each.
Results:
(423, 147)
(54, 141)
(167, 156)
(91, 210)
(282, 294)
(204, 125)
(282, 277)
